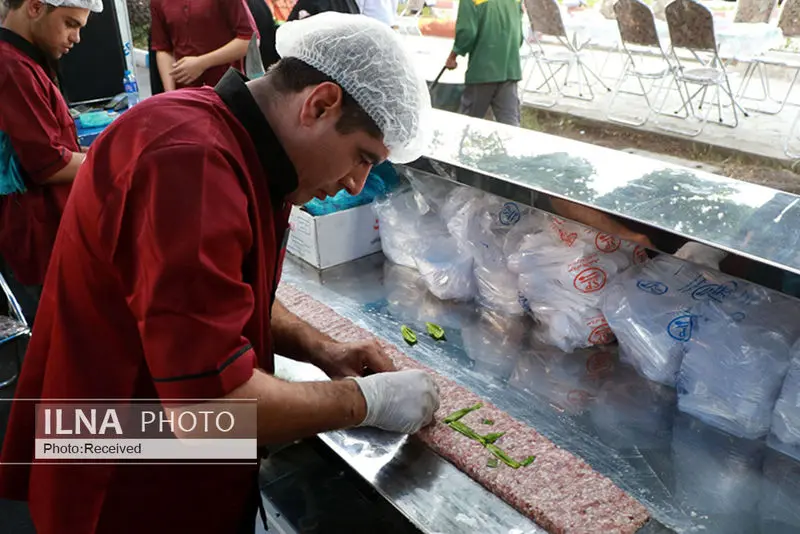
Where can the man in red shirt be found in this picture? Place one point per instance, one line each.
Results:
(196, 41)
(164, 273)
(35, 119)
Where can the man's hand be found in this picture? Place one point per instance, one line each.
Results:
(188, 69)
(340, 360)
(403, 401)
(639, 239)
(452, 62)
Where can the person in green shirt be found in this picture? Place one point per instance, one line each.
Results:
(490, 33)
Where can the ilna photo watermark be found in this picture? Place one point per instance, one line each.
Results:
(214, 431)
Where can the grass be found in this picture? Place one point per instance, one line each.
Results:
(778, 174)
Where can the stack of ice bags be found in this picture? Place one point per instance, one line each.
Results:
(785, 435)
(649, 309)
(563, 272)
(737, 358)
(414, 235)
(724, 343)
(490, 228)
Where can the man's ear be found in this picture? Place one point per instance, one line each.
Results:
(36, 8)
(324, 101)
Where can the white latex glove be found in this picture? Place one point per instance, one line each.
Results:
(400, 401)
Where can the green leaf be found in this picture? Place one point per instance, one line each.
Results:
(458, 414)
(527, 461)
(488, 422)
(493, 437)
(408, 335)
(436, 331)
(458, 426)
(505, 458)
(492, 462)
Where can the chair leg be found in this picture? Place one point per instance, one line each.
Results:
(787, 144)
(782, 102)
(689, 110)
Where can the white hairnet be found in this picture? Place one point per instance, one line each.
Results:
(93, 5)
(369, 61)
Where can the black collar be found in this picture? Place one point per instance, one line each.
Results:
(27, 48)
(280, 171)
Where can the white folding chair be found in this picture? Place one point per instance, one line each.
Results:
(691, 27)
(645, 58)
(545, 18)
(789, 23)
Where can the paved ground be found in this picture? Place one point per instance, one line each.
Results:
(759, 134)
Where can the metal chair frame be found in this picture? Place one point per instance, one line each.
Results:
(14, 326)
(790, 26)
(700, 40)
(545, 18)
(639, 38)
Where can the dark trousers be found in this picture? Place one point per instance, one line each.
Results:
(502, 97)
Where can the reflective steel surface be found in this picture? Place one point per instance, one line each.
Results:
(747, 219)
(691, 477)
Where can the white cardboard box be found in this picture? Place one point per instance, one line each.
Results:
(333, 239)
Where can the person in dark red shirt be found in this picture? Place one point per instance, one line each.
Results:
(35, 119)
(196, 41)
(164, 272)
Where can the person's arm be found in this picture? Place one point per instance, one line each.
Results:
(240, 23)
(160, 43)
(165, 62)
(597, 220)
(188, 69)
(35, 129)
(67, 174)
(294, 338)
(288, 411)
(466, 32)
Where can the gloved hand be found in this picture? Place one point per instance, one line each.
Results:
(400, 401)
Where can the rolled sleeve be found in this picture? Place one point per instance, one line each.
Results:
(184, 275)
(30, 122)
(239, 18)
(159, 37)
(466, 28)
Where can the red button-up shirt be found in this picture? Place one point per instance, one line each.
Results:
(161, 286)
(197, 27)
(34, 115)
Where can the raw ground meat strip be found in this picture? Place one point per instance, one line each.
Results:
(559, 491)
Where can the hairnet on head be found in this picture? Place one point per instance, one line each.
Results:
(92, 5)
(368, 60)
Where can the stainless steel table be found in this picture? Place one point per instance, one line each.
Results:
(690, 476)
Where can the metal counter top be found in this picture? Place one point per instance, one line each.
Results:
(746, 219)
(691, 477)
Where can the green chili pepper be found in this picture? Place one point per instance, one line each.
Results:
(527, 461)
(436, 331)
(491, 462)
(455, 416)
(488, 422)
(408, 335)
(458, 426)
(493, 437)
(506, 459)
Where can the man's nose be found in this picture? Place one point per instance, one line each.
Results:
(76, 37)
(355, 182)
